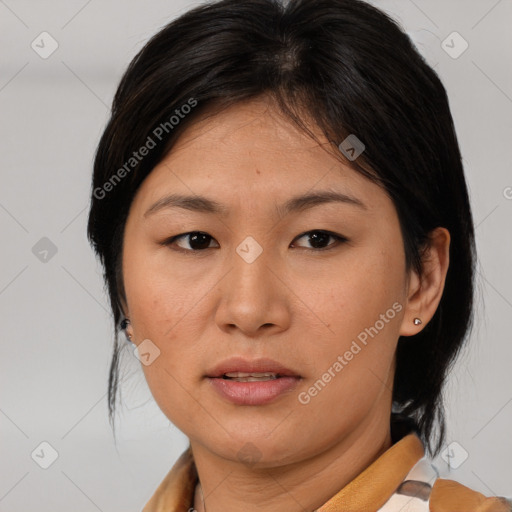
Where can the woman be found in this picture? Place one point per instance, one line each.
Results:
(280, 207)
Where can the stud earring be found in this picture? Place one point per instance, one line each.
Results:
(124, 325)
(417, 321)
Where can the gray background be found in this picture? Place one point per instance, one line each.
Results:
(56, 329)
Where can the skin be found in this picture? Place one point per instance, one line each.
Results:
(296, 304)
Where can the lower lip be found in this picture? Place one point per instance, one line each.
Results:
(252, 393)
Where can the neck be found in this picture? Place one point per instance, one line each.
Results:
(303, 485)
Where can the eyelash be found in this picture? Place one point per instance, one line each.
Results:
(339, 240)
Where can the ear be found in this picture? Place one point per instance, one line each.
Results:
(424, 292)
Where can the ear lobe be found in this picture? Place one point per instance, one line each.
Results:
(425, 291)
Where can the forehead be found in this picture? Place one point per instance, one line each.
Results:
(254, 128)
(250, 153)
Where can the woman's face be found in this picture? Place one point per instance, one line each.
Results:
(263, 280)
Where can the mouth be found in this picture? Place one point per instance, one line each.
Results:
(239, 368)
(256, 382)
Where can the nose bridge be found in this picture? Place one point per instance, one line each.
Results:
(252, 264)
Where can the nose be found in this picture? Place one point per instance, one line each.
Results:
(254, 297)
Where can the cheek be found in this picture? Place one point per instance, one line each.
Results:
(161, 296)
(170, 394)
(164, 310)
(354, 356)
(350, 294)
(360, 309)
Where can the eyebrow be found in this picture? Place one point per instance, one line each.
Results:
(201, 204)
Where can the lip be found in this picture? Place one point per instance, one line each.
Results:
(240, 364)
(252, 393)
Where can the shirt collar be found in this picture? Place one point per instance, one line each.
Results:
(374, 486)
(368, 491)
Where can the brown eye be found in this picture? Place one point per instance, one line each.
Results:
(320, 239)
(196, 241)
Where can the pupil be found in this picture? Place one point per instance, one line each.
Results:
(202, 238)
(318, 237)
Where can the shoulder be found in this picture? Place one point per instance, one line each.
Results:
(451, 496)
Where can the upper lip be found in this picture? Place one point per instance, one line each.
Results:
(239, 364)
